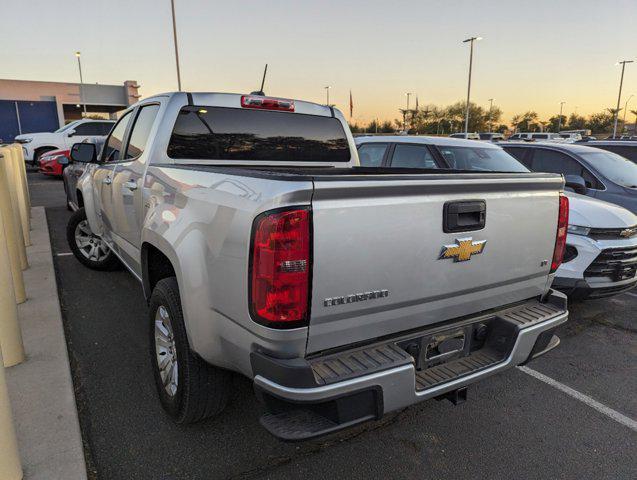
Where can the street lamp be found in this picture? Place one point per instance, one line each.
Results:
(172, 7)
(626, 109)
(79, 64)
(559, 119)
(470, 41)
(619, 96)
(490, 117)
(327, 93)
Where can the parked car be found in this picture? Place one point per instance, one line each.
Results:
(435, 153)
(343, 292)
(627, 149)
(600, 259)
(589, 171)
(537, 136)
(601, 247)
(490, 136)
(74, 171)
(467, 136)
(53, 162)
(571, 137)
(34, 145)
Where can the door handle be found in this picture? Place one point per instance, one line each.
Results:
(132, 185)
(464, 216)
(107, 181)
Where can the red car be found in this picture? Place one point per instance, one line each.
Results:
(50, 162)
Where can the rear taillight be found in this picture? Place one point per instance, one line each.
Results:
(267, 103)
(280, 268)
(560, 238)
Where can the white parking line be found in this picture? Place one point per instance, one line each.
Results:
(65, 254)
(631, 294)
(591, 402)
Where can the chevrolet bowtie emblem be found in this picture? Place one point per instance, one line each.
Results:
(463, 250)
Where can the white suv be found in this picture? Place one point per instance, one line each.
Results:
(36, 144)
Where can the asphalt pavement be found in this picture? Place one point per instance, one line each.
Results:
(513, 425)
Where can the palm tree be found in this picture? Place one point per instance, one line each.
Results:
(634, 112)
(515, 122)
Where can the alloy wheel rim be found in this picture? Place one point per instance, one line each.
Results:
(91, 246)
(166, 351)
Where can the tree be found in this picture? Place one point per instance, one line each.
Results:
(601, 122)
(576, 122)
(386, 127)
(554, 123)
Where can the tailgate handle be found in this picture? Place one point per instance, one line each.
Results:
(464, 216)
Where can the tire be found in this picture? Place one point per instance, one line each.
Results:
(95, 254)
(196, 390)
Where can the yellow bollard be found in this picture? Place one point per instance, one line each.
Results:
(23, 167)
(6, 164)
(20, 196)
(10, 231)
(10, 467)
(10, 335)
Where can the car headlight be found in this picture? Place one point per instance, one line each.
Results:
(577, 230)
(24, 140)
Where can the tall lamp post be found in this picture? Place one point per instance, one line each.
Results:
(470, 41)
(408, 94)
(327, 93)
(490, 115)
(619, 96)
(559, 118)
(172, 7)
(79, 65)
(625, 109)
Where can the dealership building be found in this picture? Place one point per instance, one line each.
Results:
(30, 106)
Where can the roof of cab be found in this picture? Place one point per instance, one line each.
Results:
(440, 141)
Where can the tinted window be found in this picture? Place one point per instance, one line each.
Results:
(371, 154)
(214, 133)
(614, 167)
(540, 136)
(555, 162)
(105, 128)
(624, 150)
(519, 154)
(481, 159)
(113, 146)
(412, 156)
(141, 131)
(90, 128)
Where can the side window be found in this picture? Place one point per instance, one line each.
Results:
(113, 145)
(88, 128)
(520, 155)
(551, 161)
(371, 154)
(412, 156)
(591, 180)
(105, 128)
(141, 131)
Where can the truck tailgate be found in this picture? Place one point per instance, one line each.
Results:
(377, 266)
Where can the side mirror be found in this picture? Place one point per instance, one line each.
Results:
(70, 133)
(84, 153)
(576, 183)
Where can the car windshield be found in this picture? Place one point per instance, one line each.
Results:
(66, 127)
(614, 167)
(481, 159)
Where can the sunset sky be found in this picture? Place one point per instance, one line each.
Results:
(534, 54)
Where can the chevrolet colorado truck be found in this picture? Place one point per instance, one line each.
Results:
(343, 292)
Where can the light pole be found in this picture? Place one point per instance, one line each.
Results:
(408, 94)
(470, 41)
(625, 109)
(327, 93)
(79, 65)
(172, 7)
(490, 117)
(619, 96)
(559, 119)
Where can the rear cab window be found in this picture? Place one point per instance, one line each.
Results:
(220, 133)
(372, 154)
(412, 156)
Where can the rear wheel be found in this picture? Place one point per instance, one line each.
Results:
(189, 389)
(87, 247)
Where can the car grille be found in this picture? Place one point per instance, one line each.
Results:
(615, 263)
(613, 233)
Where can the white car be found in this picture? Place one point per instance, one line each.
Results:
(466, 136)
(36, 144)
(601, 250)
(541, 136)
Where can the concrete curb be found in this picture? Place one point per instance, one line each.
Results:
(41, 389)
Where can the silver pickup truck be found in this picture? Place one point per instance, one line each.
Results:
(343, 292)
